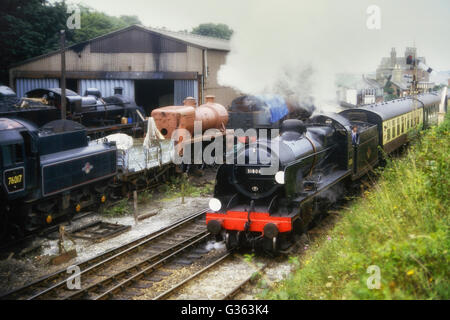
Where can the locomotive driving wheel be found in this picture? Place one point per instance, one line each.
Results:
(232, 239)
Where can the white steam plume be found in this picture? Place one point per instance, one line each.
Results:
(288, 46)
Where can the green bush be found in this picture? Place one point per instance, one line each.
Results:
(401, 226)
(121, 208)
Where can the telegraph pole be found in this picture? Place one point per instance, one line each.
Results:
(63, 75)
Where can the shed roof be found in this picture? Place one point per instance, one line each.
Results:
(198, 40)
(202, 42)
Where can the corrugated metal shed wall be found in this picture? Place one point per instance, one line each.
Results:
(106, 87)
(183, 89)
(23, 85)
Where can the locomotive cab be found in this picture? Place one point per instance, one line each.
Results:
(12, 164)
(16, 158)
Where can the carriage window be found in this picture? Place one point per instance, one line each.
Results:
(403, 125)
(398, 127)
(389, 134)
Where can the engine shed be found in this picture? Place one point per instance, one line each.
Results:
(154, 67)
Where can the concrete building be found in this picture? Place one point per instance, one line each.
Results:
(152, 66)
(358, 90)
(397, 70)
(400, 89)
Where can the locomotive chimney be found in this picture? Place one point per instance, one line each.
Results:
(190, 101)
(210, 98)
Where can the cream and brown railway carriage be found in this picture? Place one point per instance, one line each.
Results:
(398, 120)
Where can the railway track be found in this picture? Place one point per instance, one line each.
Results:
(119, 264)
(240, 287)
(173, 291)
(231, 294)
(13, 244)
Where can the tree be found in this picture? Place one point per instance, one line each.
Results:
(389, 90)
(95, 24)
(213, 30)
(390, 97)
(29, 28)
(130, 20)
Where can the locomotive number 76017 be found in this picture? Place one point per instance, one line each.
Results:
(15, 179)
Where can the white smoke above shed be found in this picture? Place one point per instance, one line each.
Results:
(297, 47)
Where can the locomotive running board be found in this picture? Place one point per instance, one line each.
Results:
(325, 183)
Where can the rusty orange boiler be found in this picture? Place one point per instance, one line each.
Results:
(170, 118)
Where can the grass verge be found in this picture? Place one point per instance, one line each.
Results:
(399, 228)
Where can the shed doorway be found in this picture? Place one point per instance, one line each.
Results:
(152, 94)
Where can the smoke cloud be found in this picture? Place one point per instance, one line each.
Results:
(297, 47)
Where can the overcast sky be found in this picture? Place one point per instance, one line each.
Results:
(403, 22)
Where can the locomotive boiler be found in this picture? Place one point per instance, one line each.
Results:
(190, 125)
(99, 114)
(266, 111)
(211, 115)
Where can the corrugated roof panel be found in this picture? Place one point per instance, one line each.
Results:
(183, 89)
